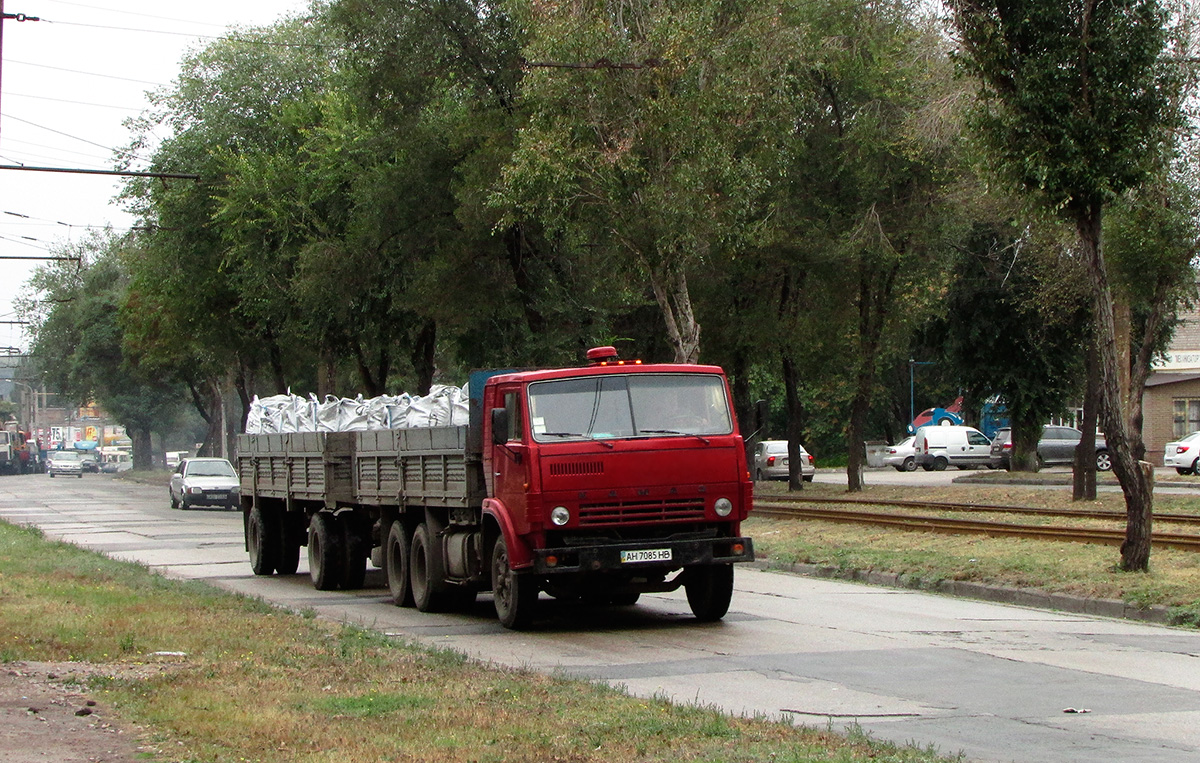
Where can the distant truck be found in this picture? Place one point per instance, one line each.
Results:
(596, 484)
(15, 457)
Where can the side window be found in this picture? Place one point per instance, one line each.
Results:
(977, 438)
(512, 403)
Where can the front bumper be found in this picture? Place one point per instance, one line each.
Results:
(608, 557)
(212, 498)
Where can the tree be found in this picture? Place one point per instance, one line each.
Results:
(641, 148)
(1077, 101)
(1015, 318)
(78, 347)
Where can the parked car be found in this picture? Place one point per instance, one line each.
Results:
(1183, 454)
(64, 462)
(936, 447)
(1056, 447)
(204, 482)
(91, 462)
(902, 455)
(771, 461)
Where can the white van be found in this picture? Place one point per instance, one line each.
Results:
(935, 448)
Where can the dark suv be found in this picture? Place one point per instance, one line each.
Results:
(1056, 447)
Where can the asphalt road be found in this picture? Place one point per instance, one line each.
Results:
(992, 681)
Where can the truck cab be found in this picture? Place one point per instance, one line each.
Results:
(618, 479)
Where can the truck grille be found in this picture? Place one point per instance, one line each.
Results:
(576, 468)
(616, 512)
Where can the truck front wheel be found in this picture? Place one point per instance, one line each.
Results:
(261, 540)
(396, 565)
(709, 590)
(325, 553)
(515, 595)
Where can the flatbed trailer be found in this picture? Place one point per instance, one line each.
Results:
(514, 503)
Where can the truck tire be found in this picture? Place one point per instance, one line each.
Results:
(421, 575)
(289, 546)
(262, 542)
(709, 590)
(515, 595)
(325, 552)
(356, 549)
(395, 564)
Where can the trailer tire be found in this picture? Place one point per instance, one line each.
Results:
(709, 591)
(261, 541)
(423, 577)
(354, 571)
(396, 563)
(289, 547)
(325, 552)
(515, 595)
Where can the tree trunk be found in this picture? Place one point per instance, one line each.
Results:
(1083, 476)
(795, 420)
(1026, 432)
(855, 441)
(422, 357)
(1137, 482)
(671, 291)
(143, 448)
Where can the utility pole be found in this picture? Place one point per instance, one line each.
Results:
(5, 17)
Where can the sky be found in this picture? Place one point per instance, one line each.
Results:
(67, 84)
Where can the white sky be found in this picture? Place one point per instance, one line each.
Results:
(67, 83)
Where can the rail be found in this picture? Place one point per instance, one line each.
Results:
(803, 508)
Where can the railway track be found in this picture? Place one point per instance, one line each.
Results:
(812, 508)
(982, 508)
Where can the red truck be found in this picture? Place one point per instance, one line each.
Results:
(597, 483)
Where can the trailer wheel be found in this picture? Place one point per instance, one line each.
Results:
(396, 565)
(289, 546)
(421, 571)
(325, 553)
(354, 571)
(515, 595)
(709, 590)
(261, 541)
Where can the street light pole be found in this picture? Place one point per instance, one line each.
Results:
(912, 413)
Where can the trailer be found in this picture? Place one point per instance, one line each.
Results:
(596, 484)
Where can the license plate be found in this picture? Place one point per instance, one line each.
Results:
(646, 555)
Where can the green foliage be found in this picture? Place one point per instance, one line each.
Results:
(1080, 97)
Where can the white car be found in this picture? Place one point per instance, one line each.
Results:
(1183, 454)
(771, 461)
(204, 482)
(901, 456)
(66, 462)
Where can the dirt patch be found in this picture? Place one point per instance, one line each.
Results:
(47, 713)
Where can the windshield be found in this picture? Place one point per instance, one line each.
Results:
(66, 455)
(210, 469)
(637, 405)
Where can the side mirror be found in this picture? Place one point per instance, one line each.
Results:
(499, 426)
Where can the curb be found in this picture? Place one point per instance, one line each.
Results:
(1023, 597)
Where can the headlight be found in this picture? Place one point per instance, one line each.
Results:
(723, 507)
(196, 490)
(560, 515)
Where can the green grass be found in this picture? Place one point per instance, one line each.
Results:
(1070, 568)
(216, 677)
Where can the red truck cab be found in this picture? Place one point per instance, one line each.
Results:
(613, 480)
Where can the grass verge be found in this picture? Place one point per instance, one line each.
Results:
(1069, 568)
(216, 677)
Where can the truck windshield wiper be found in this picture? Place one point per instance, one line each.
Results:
(590, 438)
(701, 438)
